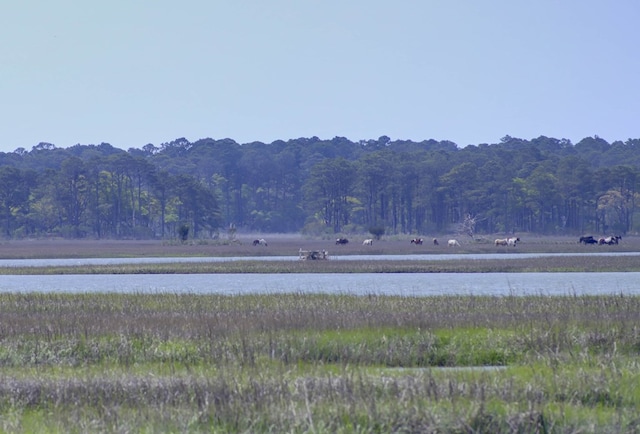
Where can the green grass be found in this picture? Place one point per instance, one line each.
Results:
(318, 363)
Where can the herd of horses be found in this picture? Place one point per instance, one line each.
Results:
(450, 243)
(416, 241)
(369, 242)
(586, 239)
(419, 241)
(610, 241)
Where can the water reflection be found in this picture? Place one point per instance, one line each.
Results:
(170, 260)
(409, 284)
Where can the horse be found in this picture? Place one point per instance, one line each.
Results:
(435, 242)
(587, 239)
(368, 242)
(453, 243)
(261, 242)
(342, 241)
(610, 240)
(417, 241)
(513, 241)
(502, 242)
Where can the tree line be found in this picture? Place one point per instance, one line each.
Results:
(179, 189)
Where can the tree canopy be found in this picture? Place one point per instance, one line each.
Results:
(543, 185)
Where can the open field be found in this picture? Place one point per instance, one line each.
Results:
(317, 363)
(288, 245)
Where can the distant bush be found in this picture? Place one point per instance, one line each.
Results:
(183, 232)
(376, 231)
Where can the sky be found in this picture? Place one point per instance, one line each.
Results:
(134, 72)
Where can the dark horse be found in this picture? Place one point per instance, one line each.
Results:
(342, 241)
(588, 239)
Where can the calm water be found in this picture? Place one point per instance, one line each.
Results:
(426, 257)
(495, 284)
(418, 284)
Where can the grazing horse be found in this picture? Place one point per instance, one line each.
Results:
(417, 241)
(453, 243)
(502, 242)
(435, 242)
(342, 241)
(588, 239)
(368, 242)
(261, 242)
(513, 241)
(610, 240)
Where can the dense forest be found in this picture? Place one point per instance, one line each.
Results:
(202, 189)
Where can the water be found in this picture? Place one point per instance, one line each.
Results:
(405, 284)
(169, 260)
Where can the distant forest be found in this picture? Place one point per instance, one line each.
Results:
(209, 188)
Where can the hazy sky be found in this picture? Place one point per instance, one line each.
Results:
(132, 72)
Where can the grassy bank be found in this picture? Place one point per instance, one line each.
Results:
(318, 363)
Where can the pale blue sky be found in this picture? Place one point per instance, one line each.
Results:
(132, 72)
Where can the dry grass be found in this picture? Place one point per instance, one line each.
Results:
(315, 363)
(288, 245)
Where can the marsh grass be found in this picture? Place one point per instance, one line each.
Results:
(318, 363)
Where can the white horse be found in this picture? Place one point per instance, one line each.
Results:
(502, 241)
(513, 241)
(610, 240)
(261, 242)
(453, 243)
(368, 242)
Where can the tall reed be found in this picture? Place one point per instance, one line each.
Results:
(322, 363)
